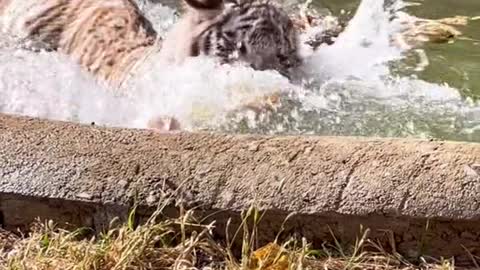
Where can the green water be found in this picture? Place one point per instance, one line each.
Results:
(354, 111)
(358, 106)
(454, 64)
(457, 63)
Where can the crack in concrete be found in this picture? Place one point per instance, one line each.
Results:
(411, 176)
(339, 198)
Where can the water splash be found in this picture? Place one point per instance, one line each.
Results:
(364, 48)
(49, 85)
(162, 17)
(352, 91)
(200, 92)
(355, 93)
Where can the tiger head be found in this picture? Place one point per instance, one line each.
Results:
(261, 35)
(271, 40)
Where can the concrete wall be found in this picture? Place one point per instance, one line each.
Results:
(86, 175)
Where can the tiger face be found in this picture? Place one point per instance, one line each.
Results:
(261, 35)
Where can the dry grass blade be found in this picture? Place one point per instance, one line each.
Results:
(180, 243)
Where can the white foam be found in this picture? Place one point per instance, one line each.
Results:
(200, 91)
(162, 17)
(353, 92)
(363, 49)
(49, 85)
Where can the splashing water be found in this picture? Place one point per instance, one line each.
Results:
(351, 91)
(358, 95)
(49, 85)
(364, 47)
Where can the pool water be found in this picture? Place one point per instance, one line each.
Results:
(361, 85)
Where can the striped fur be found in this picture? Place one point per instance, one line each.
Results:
(257, 33)
(105, 37)
(178, 42)
(108, 37)
(260, 34)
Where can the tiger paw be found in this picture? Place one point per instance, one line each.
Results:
(164, 124)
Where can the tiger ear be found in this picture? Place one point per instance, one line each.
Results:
(232, 2)
(204, 4)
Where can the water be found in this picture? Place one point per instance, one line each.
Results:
(351, 91)
(457, 63)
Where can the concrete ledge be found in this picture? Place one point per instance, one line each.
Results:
(86, 175)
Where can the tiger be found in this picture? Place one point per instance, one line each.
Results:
(110, 38)
(253, 32)
(105, 37)
(196, 18)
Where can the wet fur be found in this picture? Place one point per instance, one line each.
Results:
(108, 37)
(257, 33)
(104, 37)
(178, 43)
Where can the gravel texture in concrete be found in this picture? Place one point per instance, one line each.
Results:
(395, 184)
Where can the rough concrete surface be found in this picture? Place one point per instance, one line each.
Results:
(86, 175)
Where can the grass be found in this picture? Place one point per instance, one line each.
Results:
(183, 243)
